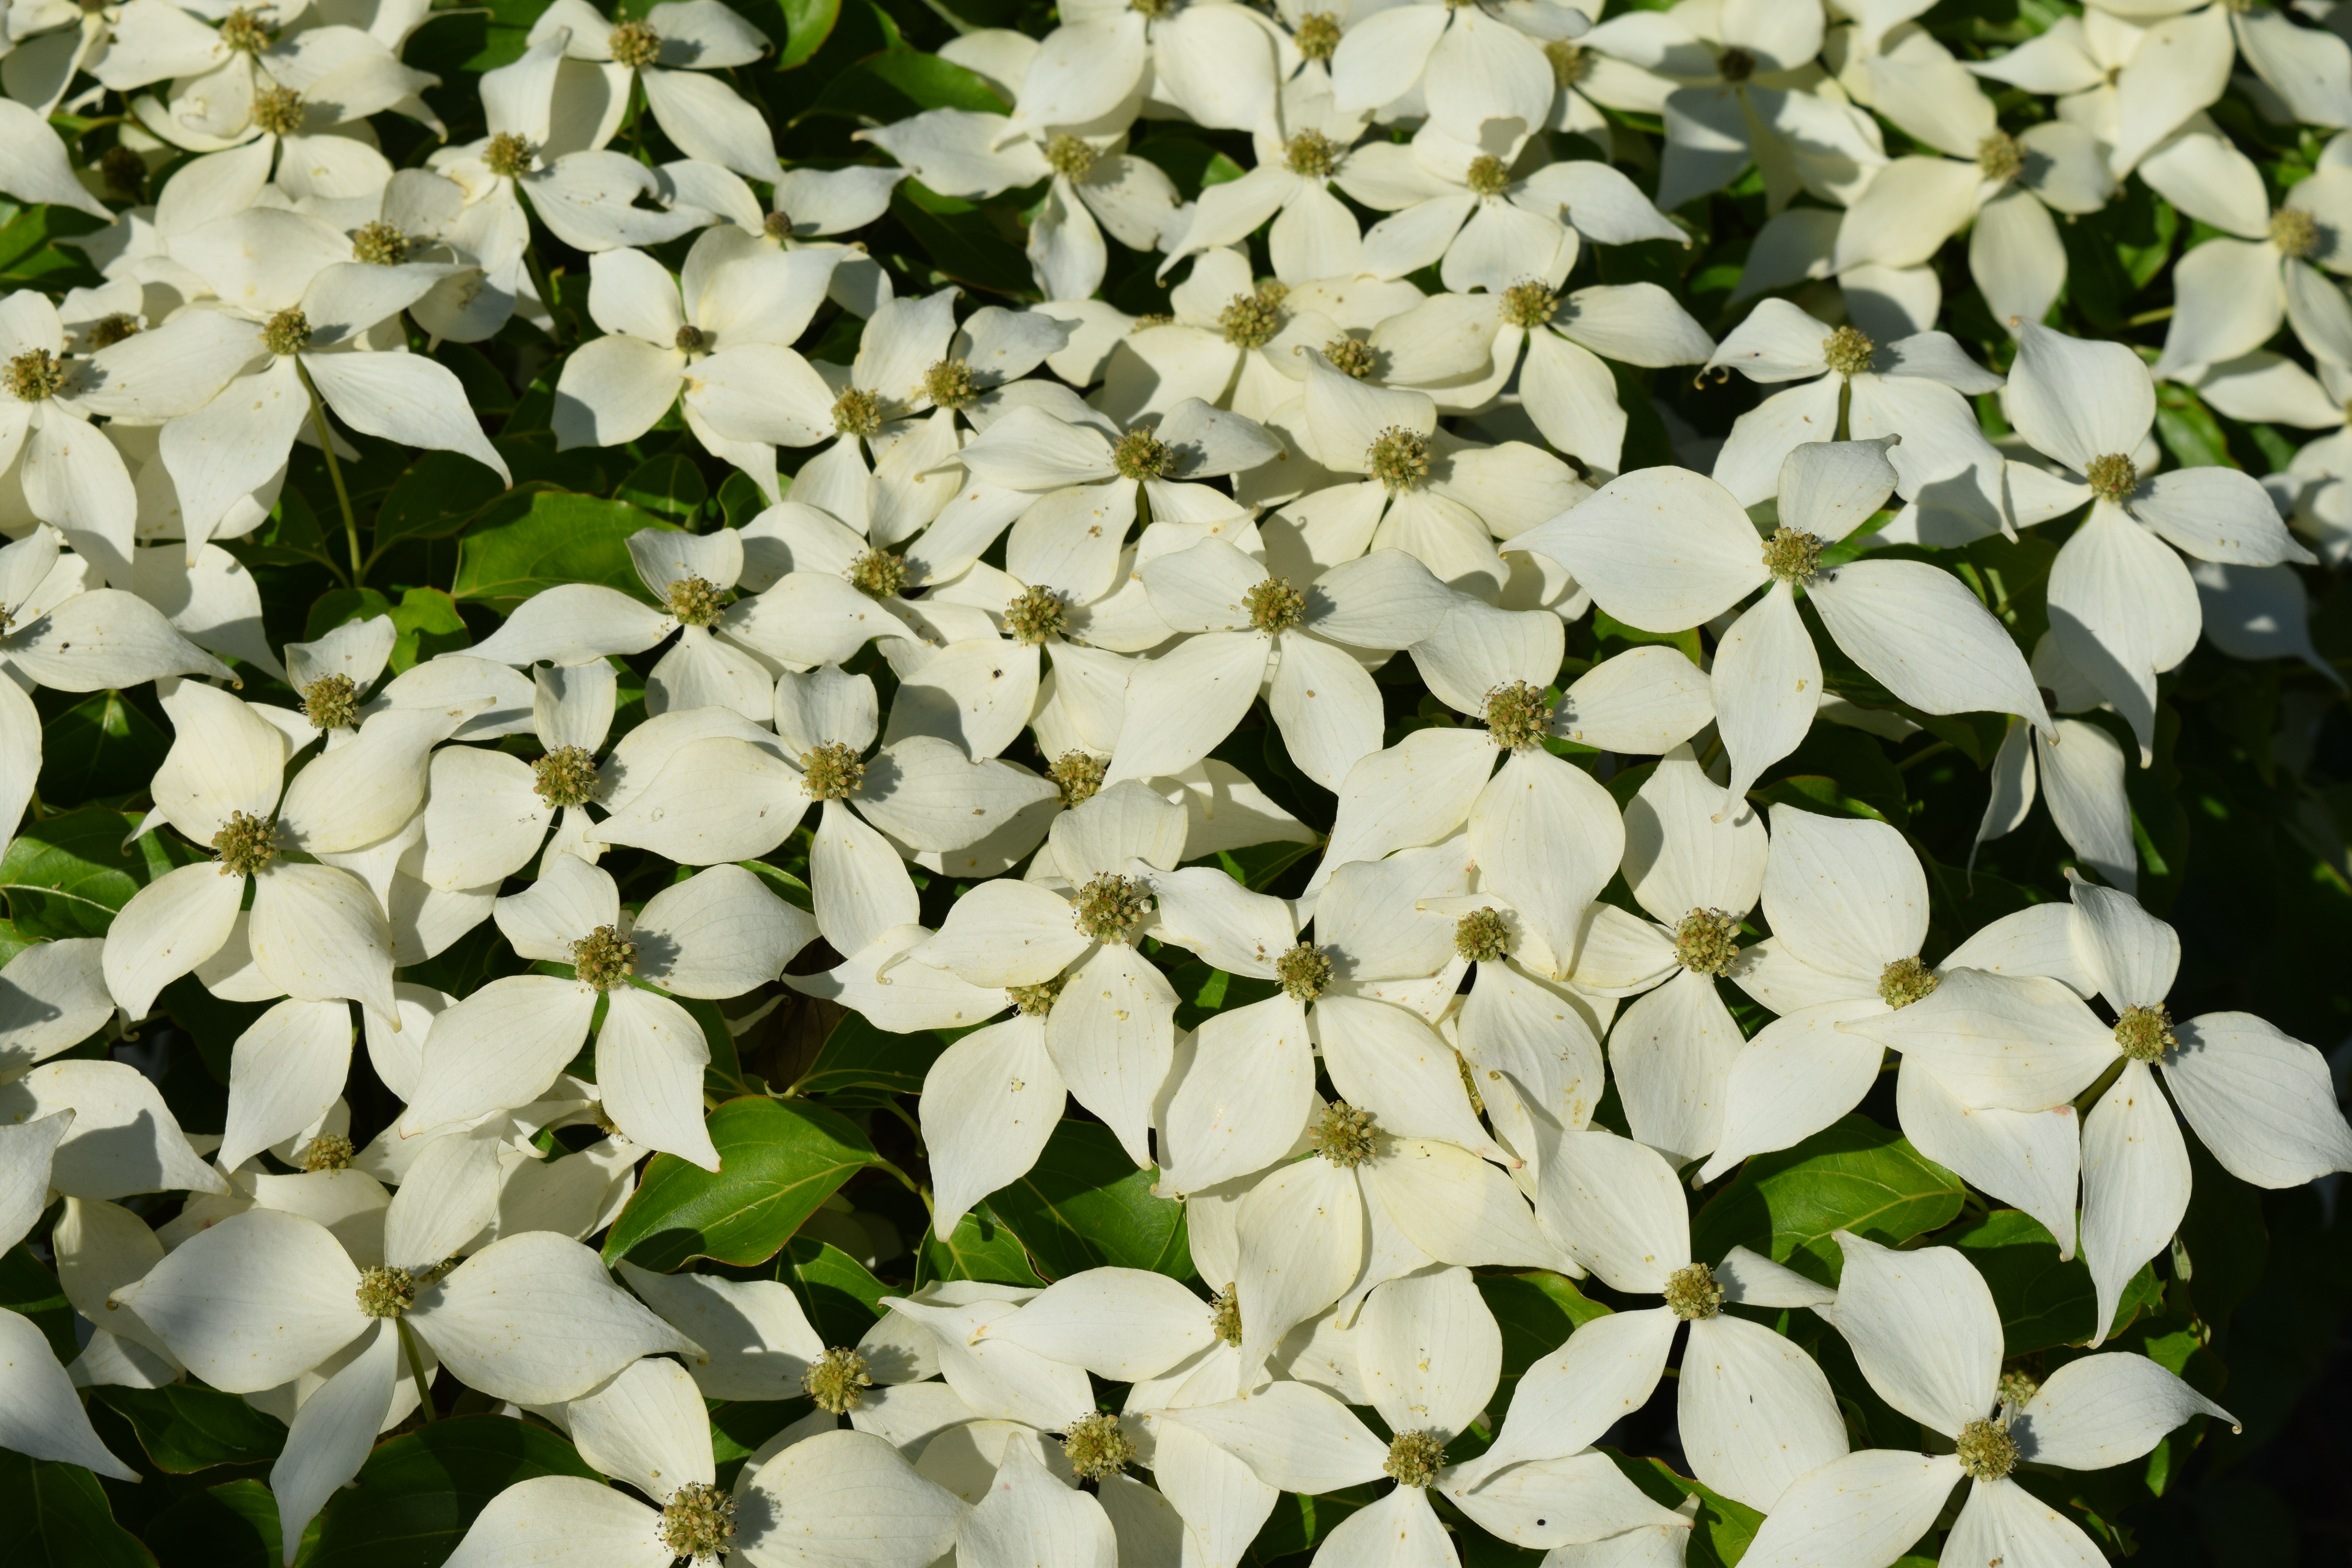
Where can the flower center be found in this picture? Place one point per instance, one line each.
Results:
(1848, 350)
(331, 702)
(1110, 908)
(287, 332)
(1735, 65)
(1349, 356)
(690, 340)
(277, 110)
(1250, 321)
(379, 244)
(1488, 175)
(1987, 1451)
(2113, 477)
(949, 384)
(329, 1152)
(776, 225)
(1792, 555)
(1311, 153)
(565, 776)
(1707, 941)
(243, 33)
(1517, 716)
(837, 1380)
(2018, 1385)
(1071, 155)
(245, 845)
(697, 1520)
(1140, 455)
(1036, 613)
(857, 412)
(605, 958)
(1037, 1001)
(1482, 936)
(2000, 156)
(635, 45)
(1152, 10)
(125, 171)
(1079, 775)
(878, 572)
(1399, 459)
(831, 772)
(507, 156)
(1692, 1293)
(36, 376)
(1303, 972)
(1530, 305)
(1226, 1315)
(1415, 1457)
(2144, 1034)
(1096, 1448)
(697, 601)
(2295, 233)
(109, 331)
(1317, 35)
(1345, 1135)
(1569, 63)
(385, 1291)
(1906, 980)
(1275, 605)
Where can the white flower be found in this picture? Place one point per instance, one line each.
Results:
(667, 52)
(1473, 69)
(1217, 62)
(41, 1415)
(1927, 1336)
(33, 166)
(2123, 605)
(2229, 295)
(1914, 629)
(2176, 59)
(2074, 764)
(487, 812)
(69, 470)
(1301, 149)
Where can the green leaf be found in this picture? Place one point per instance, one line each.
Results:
(341, 606)
(857, 1055)
(435, 498)
(29, 1289)
(1085, 1205)
(1724, 1527)
(1537, 1312)
(186, 1427)
(101, 746)
(671, 486)
(811, 23)
(66, 876)
(896, 83)
(417, 1495)
(2043, 1301)
(979, 1248)
(233, 1525)
(740, 499)
(962, 240)
(533, 540)
(1852, 1175)
(58, 1518)
(841, 1297)
(778, 1160)
(429, 624)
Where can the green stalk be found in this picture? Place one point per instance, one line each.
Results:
(334, 472)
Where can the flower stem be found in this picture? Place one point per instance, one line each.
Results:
(416, 1369)
(1846, 408)
(334, 472)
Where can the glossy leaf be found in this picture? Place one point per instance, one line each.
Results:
(1085, 1205)
(1852, 1175)
(778, 1160)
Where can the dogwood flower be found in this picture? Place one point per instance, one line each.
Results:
(665, 53)
(69, 471)
(1302, 148)
(42, 1417)
(2122, 606)
(2230, 294)
(1219, 63)
(1925, 1330)
(487, 812)
(1472, 69)
(2075, 766)
(1903, 621)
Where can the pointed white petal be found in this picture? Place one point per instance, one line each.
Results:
(1867, 1508)
(254, 1301)
(1924, 1328)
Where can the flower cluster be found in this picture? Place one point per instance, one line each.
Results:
(1099, 798)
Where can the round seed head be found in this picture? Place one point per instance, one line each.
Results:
(385, 1291)
(1569, 63)
(605, 958)
(635, 45)
(1848, 350)
(1707, 941)
(1906, 980)
(125, 171)
(2000, 156)
(1312, 154)
(1037, 1001)
(2295, 233)
(1095, 1446)
(878, 572)
(1987, 1451)
(242, 33)
(1482, 936)
(777, 225)
(1072, 155)
(1036, 613)
(1275, 605)
(1303, 972)
(2112, 478)
(1110, 908)
(507, 156)
(1399, 459)
(1079, 775)
(1317, 35)
(697, 601)
(690, 340)
(1531, 304)
(331, 702)
(379, 244)
(1250, 321)
(1792, 555)
(837, 1380)
(1349, 356)
(287, 332)
(565, 776)
(1345, 1135)
(1140, 455)
(36, 375)
(1692, 1293)
(1488, 175)
(857, 412)
(949, 384)
(1226, 1315)
(277, 110)
(328, 1152)
(1415, 1457)
(109, 331)
(2018, 1385)
(2144, 1034)
(1735, 65)
(244, 844)
(1517, 716)
(699, 1520)
(832, 772)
